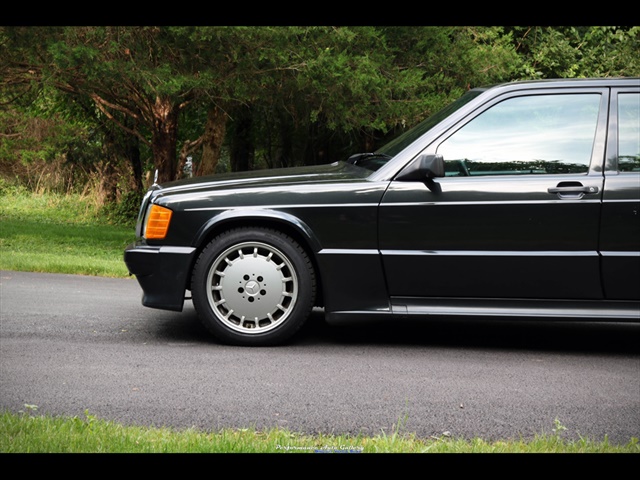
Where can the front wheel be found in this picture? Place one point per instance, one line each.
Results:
(253, 287)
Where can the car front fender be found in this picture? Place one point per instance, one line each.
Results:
(245, 216)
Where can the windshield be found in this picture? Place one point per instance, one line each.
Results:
(395, 146)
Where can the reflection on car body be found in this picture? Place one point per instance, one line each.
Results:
(518, 200)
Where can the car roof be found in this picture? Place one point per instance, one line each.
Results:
(566, 82)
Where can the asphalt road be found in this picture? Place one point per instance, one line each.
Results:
(70, 344)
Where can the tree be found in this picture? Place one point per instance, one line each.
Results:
(278, 96)
(334, 91)
(571, 52)
(134, 78)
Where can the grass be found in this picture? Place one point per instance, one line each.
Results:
(60, 234)
(70, 234)
(27, 433)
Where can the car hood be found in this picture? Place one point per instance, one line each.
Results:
(330, 173)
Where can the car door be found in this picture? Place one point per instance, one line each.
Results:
(620, 237)
(517, 214)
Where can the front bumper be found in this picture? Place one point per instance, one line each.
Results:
(162, 272)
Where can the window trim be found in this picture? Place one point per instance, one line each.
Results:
(611, 165)
(596, 162)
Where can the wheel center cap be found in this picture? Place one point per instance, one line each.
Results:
(252, 287)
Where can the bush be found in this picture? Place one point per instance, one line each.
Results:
(125, 210)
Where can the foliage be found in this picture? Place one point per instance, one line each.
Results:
(125, 211)
(570, 52)
(119, 100)
(40, 132)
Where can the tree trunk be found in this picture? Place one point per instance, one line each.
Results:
(131, 151)
(165, 138)
(214, 132)
(108, 179)
(242, 147)
(133, 155)
(285, 155)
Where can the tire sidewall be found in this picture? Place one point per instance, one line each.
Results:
(305, 288)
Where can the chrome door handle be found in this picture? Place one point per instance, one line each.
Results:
(573, 189)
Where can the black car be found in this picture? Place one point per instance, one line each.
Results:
(518, 200)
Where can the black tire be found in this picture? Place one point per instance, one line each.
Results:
(253, 286)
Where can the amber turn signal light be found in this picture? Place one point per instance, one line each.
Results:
(158, 222)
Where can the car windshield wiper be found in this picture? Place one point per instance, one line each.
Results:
(369, 160)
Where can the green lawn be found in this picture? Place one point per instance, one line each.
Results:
(60, 234)
(27, 432)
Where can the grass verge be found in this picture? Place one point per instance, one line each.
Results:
(60, 234)
(24, 433)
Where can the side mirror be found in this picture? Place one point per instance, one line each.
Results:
(424, 168)
(432, 165)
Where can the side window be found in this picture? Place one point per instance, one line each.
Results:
(629, 132)
(538, 134)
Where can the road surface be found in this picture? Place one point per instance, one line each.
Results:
(70, 344)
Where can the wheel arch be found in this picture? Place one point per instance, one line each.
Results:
(283, 222)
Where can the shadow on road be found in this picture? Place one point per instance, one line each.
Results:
(455, 333)
(487, 333)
